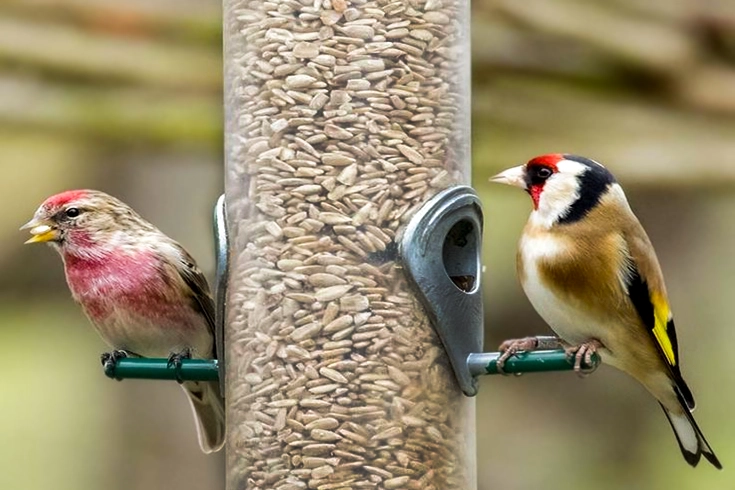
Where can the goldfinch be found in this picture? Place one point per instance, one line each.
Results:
(590, 271)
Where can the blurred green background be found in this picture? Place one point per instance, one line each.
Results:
(126, 97)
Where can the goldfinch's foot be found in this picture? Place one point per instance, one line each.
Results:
(512, 347)
(584, 352)
(175, 358)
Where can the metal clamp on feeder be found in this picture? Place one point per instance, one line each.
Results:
(441, 252)
(190, 369)
(222, 270)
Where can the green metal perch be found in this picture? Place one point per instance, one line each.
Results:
(208, 370)
(148, 368)
(525, 362)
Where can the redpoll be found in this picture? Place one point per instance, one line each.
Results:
(140, 289)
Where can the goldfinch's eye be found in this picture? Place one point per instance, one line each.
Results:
(543, 173)
(72, 212)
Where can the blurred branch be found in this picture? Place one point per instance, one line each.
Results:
(501, 46)
(188, 20)
(115, 114)
(639, 140)
(74, 52)
(710, 87)
(644, 42)
(672, 53)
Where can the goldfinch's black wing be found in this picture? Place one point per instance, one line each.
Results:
(645, 288)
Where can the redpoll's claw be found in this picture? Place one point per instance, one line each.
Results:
(511, 347)
(175, 358)
(109, 359)
(113, 357)
(584, 352)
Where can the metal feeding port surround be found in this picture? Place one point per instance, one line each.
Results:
(440, 249)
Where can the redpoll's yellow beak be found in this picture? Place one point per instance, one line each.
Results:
(41, 231)
(515, 176)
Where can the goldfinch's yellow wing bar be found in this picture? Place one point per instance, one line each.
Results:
(656, 315)
(663, 329)
(654, 312)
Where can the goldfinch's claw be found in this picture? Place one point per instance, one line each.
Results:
(511, 347)
(584, 352)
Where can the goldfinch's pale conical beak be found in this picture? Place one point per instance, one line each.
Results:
(41, 230)
(515, 176)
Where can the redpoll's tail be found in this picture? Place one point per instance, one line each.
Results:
(691, 441)
(209, 412)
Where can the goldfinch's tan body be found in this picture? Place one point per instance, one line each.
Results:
(570, 280)
(590, 271)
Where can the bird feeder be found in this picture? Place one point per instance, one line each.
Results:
(343, 118)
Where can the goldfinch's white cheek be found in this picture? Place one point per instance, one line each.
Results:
(560, 192)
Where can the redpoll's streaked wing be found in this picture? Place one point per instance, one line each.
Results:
(199, 288)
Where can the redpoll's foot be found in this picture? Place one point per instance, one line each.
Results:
(511, 347)
(109, 359)
(584, 352)
(175, 360)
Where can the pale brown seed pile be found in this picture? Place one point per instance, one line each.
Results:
(344, 116)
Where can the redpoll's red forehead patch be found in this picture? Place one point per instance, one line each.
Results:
(65, 197)
(549, 160)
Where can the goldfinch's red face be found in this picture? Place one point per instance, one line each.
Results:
(563, 187)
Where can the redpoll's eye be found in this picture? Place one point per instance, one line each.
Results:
(72, 212)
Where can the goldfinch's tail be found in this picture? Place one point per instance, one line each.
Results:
(691, 441)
